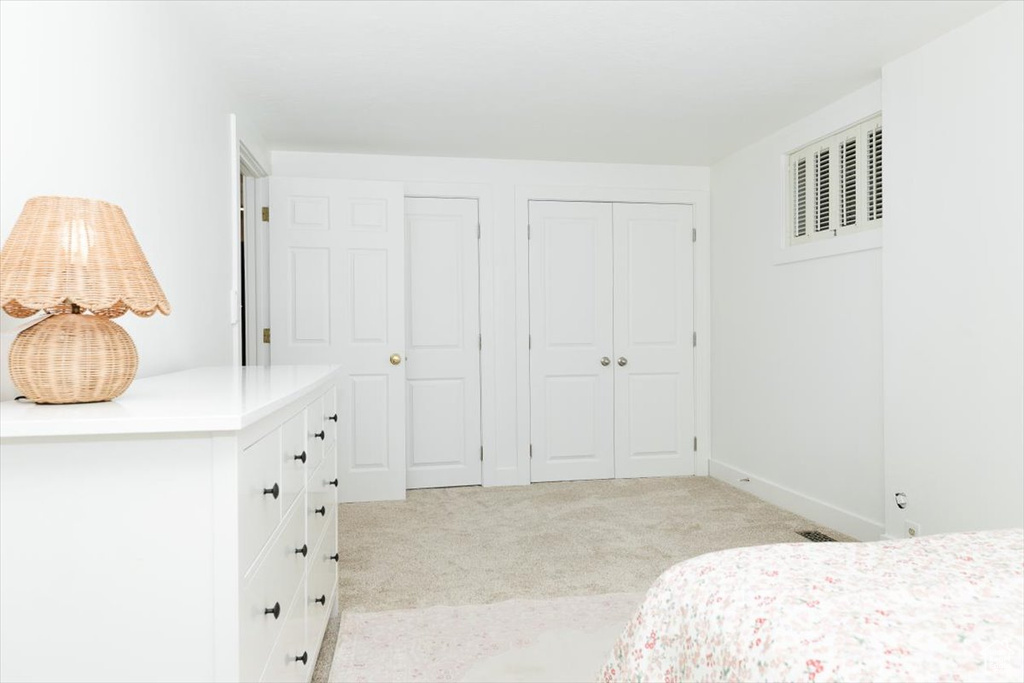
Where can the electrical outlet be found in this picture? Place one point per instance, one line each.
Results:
(911, 529)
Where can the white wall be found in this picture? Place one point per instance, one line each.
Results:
(796, 370)
(953, 274)
(498, 181)
(110, 100)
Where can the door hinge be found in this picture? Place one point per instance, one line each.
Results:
(694, 234)
(266, 335)
(480, 341)
(527, 231)
(694, 339)
(478, 231)
(529, 341)
(266, 214)
(694, 444)
(531, 451)
(481, 454)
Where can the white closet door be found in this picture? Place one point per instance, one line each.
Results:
(571, 332)
(653, 340)
(442, 332)
(337, 297)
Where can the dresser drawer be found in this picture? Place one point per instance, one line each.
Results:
(270, 588)
(294, 459)
(321, 501)
(327, 474)
(259, 476)
(331, 418)
(317, 433)
(322, 582)
(291, 660)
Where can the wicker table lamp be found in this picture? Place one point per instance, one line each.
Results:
(71, 258)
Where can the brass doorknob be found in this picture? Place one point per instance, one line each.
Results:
(395, 359)
(606, 361)
(622, 361)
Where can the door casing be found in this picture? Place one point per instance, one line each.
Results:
(628, 328)
(443, 434)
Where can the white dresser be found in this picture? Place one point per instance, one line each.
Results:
(186, 531)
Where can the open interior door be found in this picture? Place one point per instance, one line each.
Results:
(337, 251)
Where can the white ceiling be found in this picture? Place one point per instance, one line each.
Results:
(643, 82)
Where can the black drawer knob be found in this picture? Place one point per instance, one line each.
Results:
(320, 435)
(304, 658)
(333, 418)
(275, 610)
(322, 510)
(275, 492)
(322, 600)
(301, 456)
(333, 557)
(333, 482)
(302, 551)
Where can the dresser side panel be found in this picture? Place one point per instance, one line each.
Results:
(106, 550)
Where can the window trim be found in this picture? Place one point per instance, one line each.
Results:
(864, 240)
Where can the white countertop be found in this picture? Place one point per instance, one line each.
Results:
(213, 399)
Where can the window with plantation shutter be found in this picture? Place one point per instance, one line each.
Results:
(835, 184)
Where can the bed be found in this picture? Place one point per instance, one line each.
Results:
(937, 608)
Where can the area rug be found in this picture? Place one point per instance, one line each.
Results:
(561, 639)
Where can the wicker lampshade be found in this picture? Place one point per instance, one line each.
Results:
(75, 257)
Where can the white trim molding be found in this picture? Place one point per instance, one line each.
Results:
(847, 244)
(235, 292)
(818, 511)
(242, 161)
(700, 201)
(248, 162)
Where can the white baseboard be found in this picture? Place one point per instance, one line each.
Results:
(851, 524)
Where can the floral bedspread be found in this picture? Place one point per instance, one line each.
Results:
(937, 608)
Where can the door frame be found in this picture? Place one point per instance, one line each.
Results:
(244, 162)
(492, 471)
(257, 257)
(699, 200)
(480, 310)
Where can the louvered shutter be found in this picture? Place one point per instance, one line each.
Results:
(848, 173)
(874, 173)
(822, 190)
(800, 197)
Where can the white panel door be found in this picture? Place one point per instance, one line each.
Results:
(653, 340)
(337, 252)
(442, 342)
(570, 336)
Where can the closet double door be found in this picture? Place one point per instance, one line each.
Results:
(611, 351)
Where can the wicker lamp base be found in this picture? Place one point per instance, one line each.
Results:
(73, 358)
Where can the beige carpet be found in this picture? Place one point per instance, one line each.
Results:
(474, 545)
